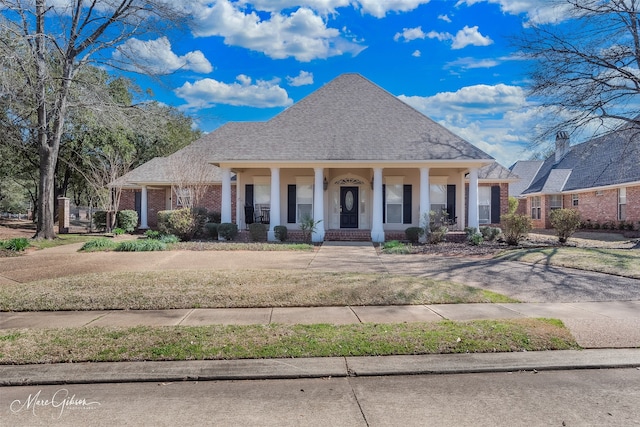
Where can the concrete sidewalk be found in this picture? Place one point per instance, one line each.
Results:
(613, 324)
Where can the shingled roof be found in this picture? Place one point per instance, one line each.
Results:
(348, 119)
(611, 159)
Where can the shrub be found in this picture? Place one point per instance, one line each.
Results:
(18, 244)
(413, 234)
(184, 223)
(474, 237)
(280, 232)
(152, 234)
(163, 221)
(228, 230)
(433, 226)
(212, 229)
(437, 235)
(127, 220)
(513, 205)
(258, 232)
(565, 221)
(395, 247)
(168, 238)
(308, 227)
(214, 217)
(100, 220)
(118, 231)
(516, 227)
(101, 244)
(490, 233)
(145, 245)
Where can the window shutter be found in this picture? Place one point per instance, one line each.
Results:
(384, 203)
(451, 201)
(248, 195)
(406, 204)
(291, 204)
(495, 204)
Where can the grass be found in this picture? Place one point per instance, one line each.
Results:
(622, 262)
(98, 344)
(232, 288)
(61, 239)
(239, 246)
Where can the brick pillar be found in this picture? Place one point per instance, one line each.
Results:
(63, 215)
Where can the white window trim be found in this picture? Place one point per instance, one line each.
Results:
(394, 181)
(300, 181)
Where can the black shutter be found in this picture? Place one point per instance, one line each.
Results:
(451, 202)
(248, 195)
(138, 204)
(384, 202)
(495, 204)
(291, 204)
(406, 204)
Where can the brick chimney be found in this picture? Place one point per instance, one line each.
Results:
(562, 145)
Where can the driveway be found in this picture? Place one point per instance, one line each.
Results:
(525, 282)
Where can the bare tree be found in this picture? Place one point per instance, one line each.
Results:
(191, 175)
(47, 46)
(587, 70)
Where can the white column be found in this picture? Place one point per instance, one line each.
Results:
(474, 220)
(274, 215)
(143, 208)
(377, 229)
(425, 203)
(318, 205)
(461, 202)
(240, 220)
(225, 208)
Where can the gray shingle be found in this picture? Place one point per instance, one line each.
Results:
(349, 118)
(610, 159)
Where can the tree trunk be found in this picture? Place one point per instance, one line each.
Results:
(45, 227)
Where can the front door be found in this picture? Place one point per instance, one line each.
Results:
(348, 207)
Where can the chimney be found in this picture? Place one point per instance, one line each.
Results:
(562, 145)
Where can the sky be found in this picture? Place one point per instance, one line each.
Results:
(244, 60)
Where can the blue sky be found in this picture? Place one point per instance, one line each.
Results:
(452, 60)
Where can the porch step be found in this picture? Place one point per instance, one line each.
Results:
(347, 235)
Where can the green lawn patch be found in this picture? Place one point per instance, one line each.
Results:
(233, 288)
(98, 344)
(623, 262)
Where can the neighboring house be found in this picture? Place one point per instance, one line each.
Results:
(356, 159)
(600, 178)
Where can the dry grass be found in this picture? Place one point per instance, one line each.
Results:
(232, 288)
(622, 262)
(94, 344)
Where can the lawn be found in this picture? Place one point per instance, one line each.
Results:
(622, 262)
(233, 288)
(96, 344)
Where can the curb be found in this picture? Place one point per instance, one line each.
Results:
(262, 369)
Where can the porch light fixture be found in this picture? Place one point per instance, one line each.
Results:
(325, 184)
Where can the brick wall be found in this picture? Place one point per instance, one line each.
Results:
(156, 201)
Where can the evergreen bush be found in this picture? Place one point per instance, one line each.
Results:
(413, 234)
(515, 227)
(212, 229)
(280, 232)
(127, 220)
(228, 230)
(258, 232)
(565, 222)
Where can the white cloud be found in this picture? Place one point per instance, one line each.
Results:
(206, 93)
(470, 36)
(156, 57)
(409, 34)
(416, 53)
(380, 8)
(302, 79)
(535, 11)
(302, 34)
(497, 119)
(469, 63)
(444, 18)
(377, 8)
(439, 36)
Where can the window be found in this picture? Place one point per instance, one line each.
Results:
(438, 198)
(304, 198)
(535, 207)
(393, 199)
(183, 197)
(575, 199)
(622, 204)
(555, 201)
(261, 194)
(484, 205)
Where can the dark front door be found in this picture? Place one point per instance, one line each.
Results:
(348, 207)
